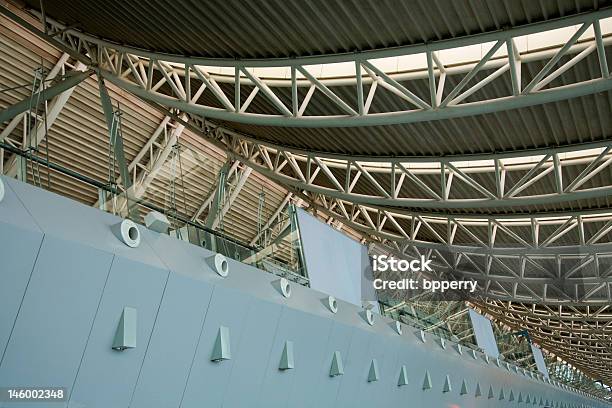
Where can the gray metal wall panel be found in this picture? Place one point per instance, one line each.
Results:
(404, 356)
(539, 359)
(249, 303)
(327, 387)
(53, 324)
(410, 356)
(20, 248)
(228, 307)
(251, 281)
(309, 334)
(386, 352)
(311, 358)
(327, 250)
(20, 240)
(375, 392)
(181, 257)
(12, 209)
(173, 343)
(104, 370)
(437, 370)
(70, 220)
(252, 354)
(483, 331)
(356, 366)
(276, 384)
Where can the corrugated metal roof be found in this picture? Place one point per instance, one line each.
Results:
(280, 28)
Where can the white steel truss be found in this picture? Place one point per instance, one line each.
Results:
(233, 192)
(509, 268)
(171, 80)
(147, 164)
(273, 219)
(467, 182)
(560, 258)
(565, 234)
(236, 179)
(582, 335)
(501, 181)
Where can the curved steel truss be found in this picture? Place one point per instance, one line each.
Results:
(562, 234)
(510, 268)
(225, 89)
(460, 182)
(582, 335)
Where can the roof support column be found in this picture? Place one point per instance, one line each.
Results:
(211, 197)
(213, 222)
(116, 139)
(278, 211)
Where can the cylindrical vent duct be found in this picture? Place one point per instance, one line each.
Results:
(127, 231)
(219, 264)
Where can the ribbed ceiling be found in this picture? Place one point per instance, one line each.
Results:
(280, 28)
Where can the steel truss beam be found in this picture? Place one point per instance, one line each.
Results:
(157, 149)
(582, 336)
(493, 181)
(579, 273)
(273, 218)
(148, 163)
(207, 204)
(58, 68)
(537, 234)
(235, 181)
(544, 273)
(169, 80)
(234, 191)
(498, 278)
